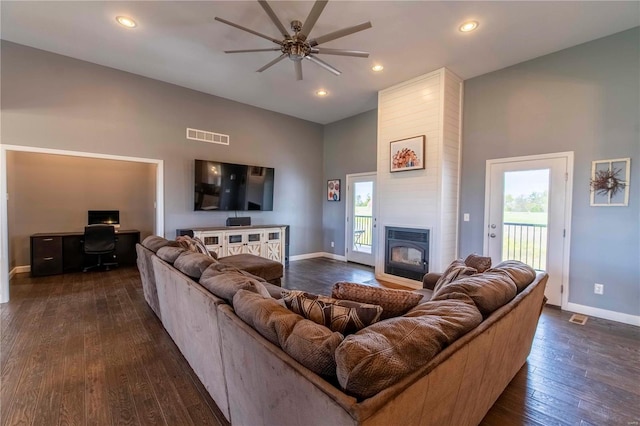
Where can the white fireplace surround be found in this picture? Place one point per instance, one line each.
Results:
(429, 105)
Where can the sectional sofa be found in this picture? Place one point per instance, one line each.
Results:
(259, 361)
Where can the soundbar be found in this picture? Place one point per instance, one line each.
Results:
(239, 221)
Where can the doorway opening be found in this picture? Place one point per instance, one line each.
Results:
(4, 226)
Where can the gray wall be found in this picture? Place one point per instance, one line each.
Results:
(350, 146)
(583, 99)
(52, 193)
(53, 101)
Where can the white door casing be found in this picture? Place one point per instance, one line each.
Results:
(556, 258)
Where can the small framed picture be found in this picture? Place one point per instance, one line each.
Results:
(407, 154)
(333, 190)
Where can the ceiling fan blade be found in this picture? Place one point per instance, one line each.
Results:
(274, 18)
(340, 52)
(275, 61)
(313, 16)
(240, 27)
(298, 66)
(274, 49)
(323, 64)
(340, 33)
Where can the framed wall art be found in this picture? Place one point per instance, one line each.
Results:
(610, 182)
(333, 190)
(407, 154)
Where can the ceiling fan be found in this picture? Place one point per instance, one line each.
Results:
(298, 46)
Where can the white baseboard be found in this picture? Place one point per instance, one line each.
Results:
(318, 254)
(604, 314)
(19, 270)
(334, 256)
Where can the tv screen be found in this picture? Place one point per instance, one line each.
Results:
(225, 186)
(106, 217)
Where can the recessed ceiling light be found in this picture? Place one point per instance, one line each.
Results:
(322, 92)
(377, 68)
(468, 26)
(126, 22)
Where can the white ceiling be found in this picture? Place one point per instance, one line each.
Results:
(180, 43)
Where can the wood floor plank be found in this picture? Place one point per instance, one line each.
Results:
(86, 349)
(72, 406)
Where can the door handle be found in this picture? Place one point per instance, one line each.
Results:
(492, 235)
(493, 226)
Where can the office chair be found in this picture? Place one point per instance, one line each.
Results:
(100, 240)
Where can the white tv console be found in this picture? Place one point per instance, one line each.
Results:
(268, 241)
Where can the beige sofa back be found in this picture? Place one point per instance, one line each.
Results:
(148, 278)
(190, 316)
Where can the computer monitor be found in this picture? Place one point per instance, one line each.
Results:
(105, 217)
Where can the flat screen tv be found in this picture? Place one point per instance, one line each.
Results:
(225, 186)
(105, 217)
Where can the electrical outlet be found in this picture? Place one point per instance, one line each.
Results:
(598, 288)
(466, 217)
(332, 244)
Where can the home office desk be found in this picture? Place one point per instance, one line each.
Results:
(60, 252)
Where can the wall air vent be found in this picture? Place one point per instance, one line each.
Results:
(204, 136)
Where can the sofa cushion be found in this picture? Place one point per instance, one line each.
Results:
(393, 302)
(456, 270)
(224, 282)
(521, 273)
(154, 243)
(383, 353)
(311, 344)
(193, 264)
(169, 253)
(489, 291)
(265, 268)
(480, 263)
(344, 316)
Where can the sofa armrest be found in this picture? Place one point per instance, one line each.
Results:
(430, 279)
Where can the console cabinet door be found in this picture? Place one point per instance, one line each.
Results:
(235, 243)
(272, 247)
(253, 243)
(244, 242)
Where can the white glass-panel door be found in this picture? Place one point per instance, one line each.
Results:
(360, 220)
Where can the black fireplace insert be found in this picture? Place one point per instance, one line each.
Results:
(406, 252)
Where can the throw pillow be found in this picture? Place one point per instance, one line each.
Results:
(194, 244)
(394, 303)
(456, 270)
(481, 263)
(344, 316)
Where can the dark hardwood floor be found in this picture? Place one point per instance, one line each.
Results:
(85, 349)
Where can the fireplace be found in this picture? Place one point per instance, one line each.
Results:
(406, 252)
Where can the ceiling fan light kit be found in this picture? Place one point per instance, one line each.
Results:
(298, 46)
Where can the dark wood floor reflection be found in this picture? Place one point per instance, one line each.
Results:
(82, 349)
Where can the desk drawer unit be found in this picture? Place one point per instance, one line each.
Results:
(46, 255)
